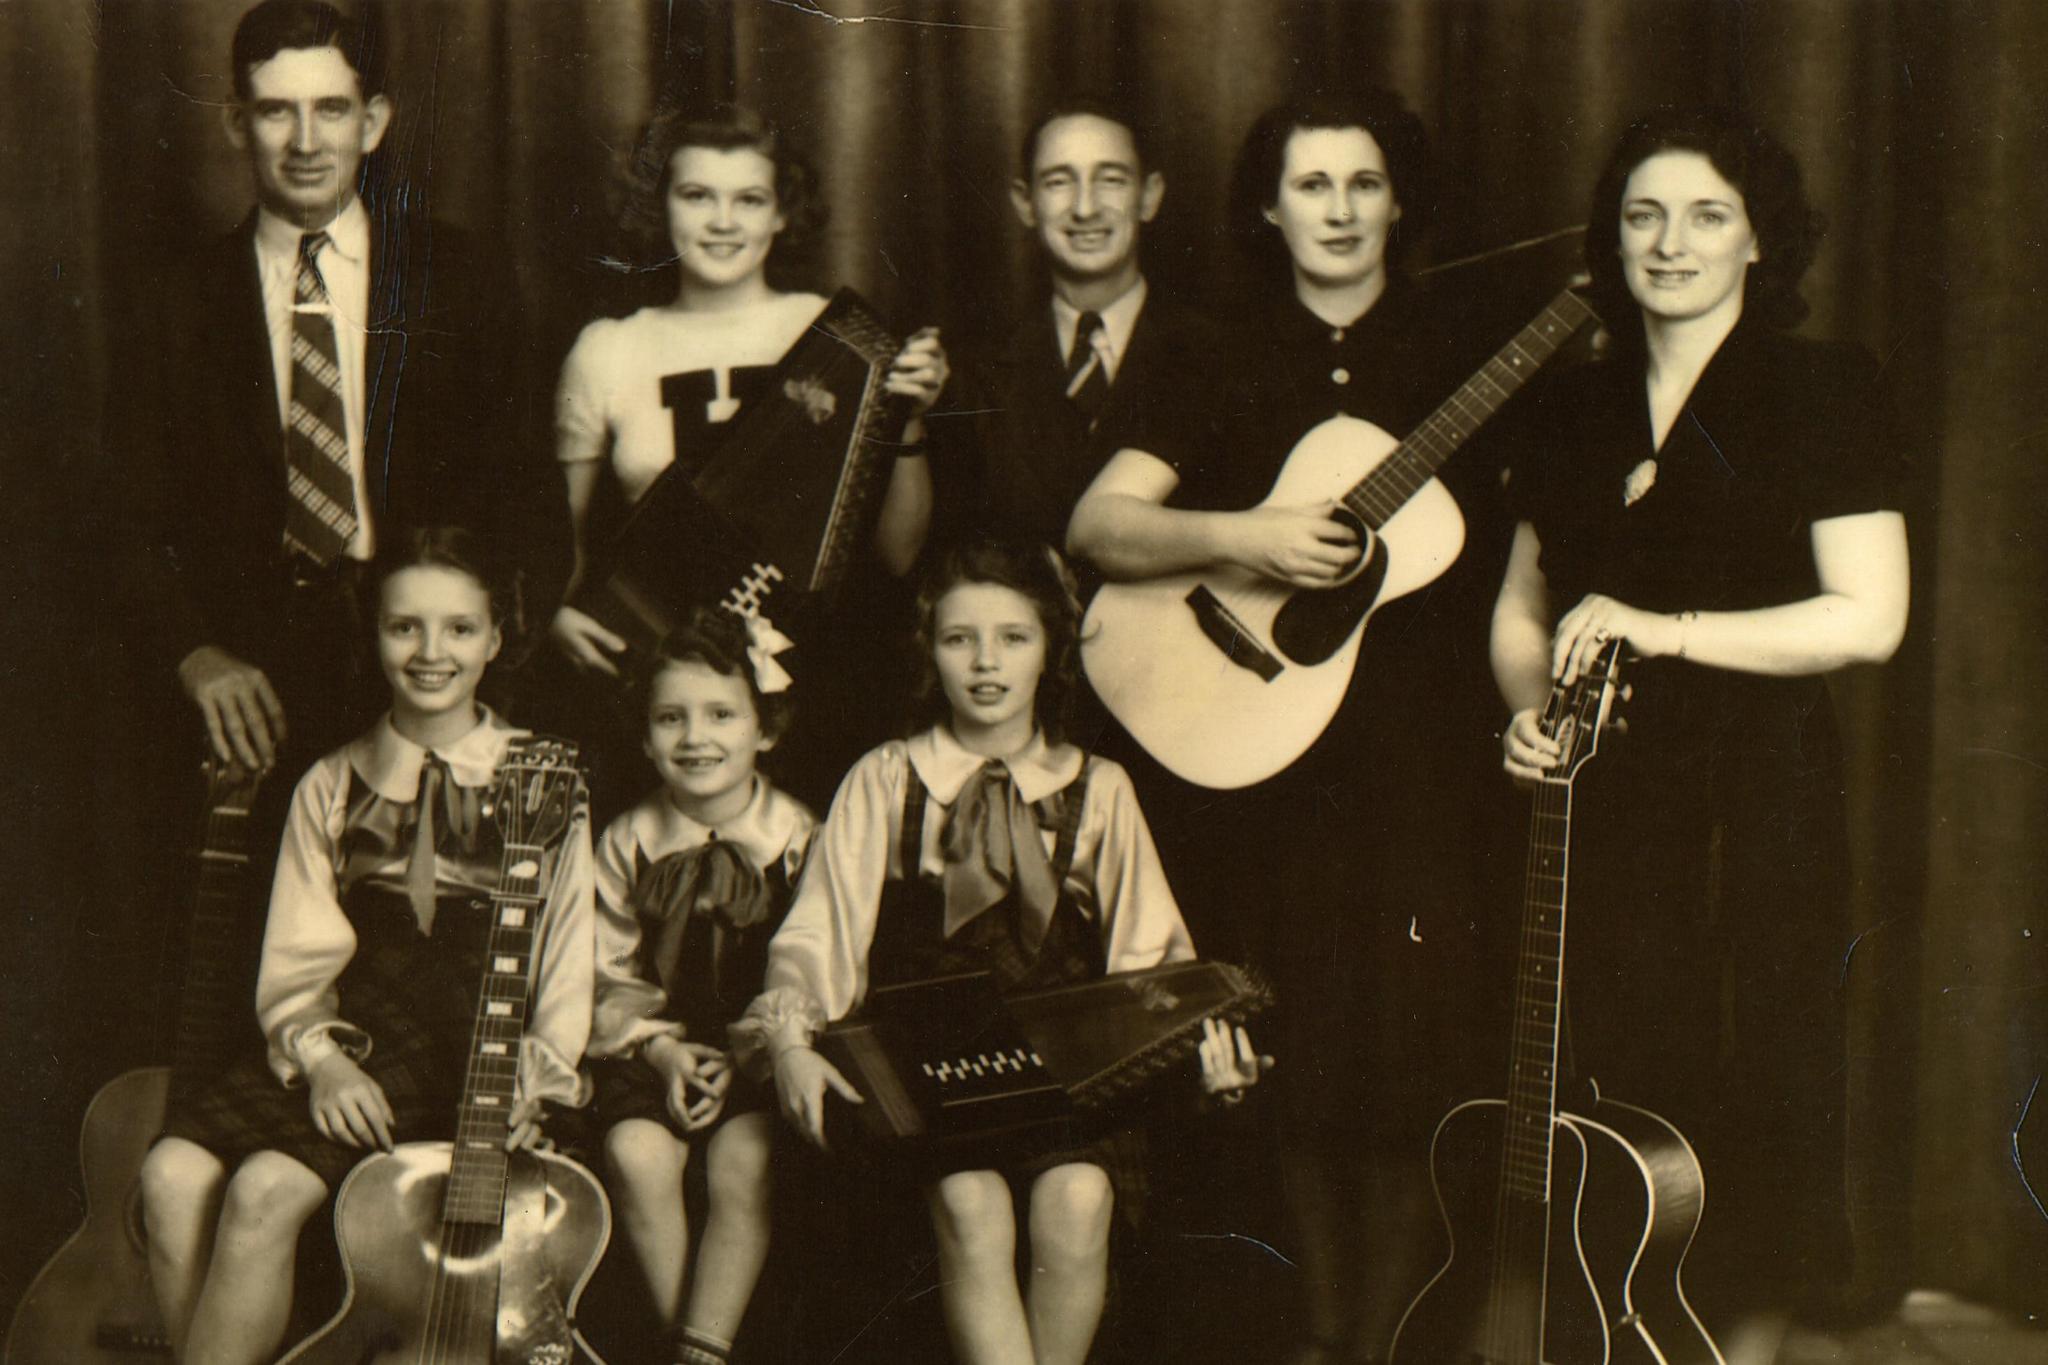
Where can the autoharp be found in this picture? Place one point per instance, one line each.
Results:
(953, 1058)
(780, 506)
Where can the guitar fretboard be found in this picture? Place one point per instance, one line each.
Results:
(205, 1011)
(1532, 1055)
(476, 1175)
(1385, 491)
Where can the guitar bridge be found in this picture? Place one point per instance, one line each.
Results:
(1228, 634)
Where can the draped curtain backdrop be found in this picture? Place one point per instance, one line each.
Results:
(1921, 127)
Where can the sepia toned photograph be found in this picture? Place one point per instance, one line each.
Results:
(1024, 682)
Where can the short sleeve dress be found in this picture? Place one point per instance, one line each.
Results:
(1709, 863)
(1367, 875)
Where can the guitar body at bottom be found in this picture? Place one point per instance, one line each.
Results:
(1226, 676)
(92, 1303)
(424, 1292)
(1626, 1195)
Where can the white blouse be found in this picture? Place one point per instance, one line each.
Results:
(817, 963)
(308, 941)
(610, 403)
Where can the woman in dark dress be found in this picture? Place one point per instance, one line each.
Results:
(1355, 874)
(1719, 495)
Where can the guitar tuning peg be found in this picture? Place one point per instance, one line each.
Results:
(1628, 691)
(1619, 725)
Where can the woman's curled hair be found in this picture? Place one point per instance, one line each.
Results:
(1766, 174)
(1255, 182)
(723, 128)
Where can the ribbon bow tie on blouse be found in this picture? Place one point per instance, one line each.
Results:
(992, 848)
(713, 881)
(444, 802)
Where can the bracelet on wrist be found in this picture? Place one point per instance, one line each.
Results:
(1685, 620)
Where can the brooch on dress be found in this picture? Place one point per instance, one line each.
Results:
(1640, 480)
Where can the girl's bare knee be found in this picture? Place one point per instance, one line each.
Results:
(176, 1175)
(1070, 1210)
(271, 1192)
(972, 1211)
(738, 1172)
(644, 1155)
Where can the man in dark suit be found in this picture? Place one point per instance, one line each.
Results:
(305, 388)
(1039, 405)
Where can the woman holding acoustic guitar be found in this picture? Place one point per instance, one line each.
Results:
(1719, 495)
(1366, 843)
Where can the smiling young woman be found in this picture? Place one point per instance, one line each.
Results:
(1721, 496)
(720, 202)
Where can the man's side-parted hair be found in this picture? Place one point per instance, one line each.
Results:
(283, 25)
(1094, 105)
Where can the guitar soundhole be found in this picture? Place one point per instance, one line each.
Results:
(1313, 624)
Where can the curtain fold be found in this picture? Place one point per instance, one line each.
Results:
(1921, 127)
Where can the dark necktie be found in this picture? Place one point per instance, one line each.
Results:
(320, 516)
(1087, 380)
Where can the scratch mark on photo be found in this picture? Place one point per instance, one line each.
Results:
(1266, 1247)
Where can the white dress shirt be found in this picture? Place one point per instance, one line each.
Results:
(1113, 338)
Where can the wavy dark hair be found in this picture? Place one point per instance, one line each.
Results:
(463, 550)
(724, 128)
(1763, 171)
(1094, 105)
(717, 639)
(281, 25)
(1032, 569)
(1255, 183)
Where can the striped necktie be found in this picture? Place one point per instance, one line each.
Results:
(320, 517)
(1087, 380)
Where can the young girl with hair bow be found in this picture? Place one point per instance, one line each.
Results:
(691, 883)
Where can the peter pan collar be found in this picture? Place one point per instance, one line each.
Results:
(389, 763)
(763, 830)
(1039, 769)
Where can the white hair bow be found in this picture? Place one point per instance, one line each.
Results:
(764, 642)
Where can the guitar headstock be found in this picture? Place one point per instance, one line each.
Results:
(1576, 715)
(230, 787)
(538, 793)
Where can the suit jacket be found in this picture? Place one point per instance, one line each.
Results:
(1015, 455)
(450, 433)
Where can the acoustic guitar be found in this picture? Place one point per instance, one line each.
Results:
(1568, 1231)
(1226, 676)
(92, 1303)
(463, 1253)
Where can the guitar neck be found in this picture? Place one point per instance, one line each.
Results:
(476, 1176)
(1532, 1054)
(205, 1009)
(1377, 497)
